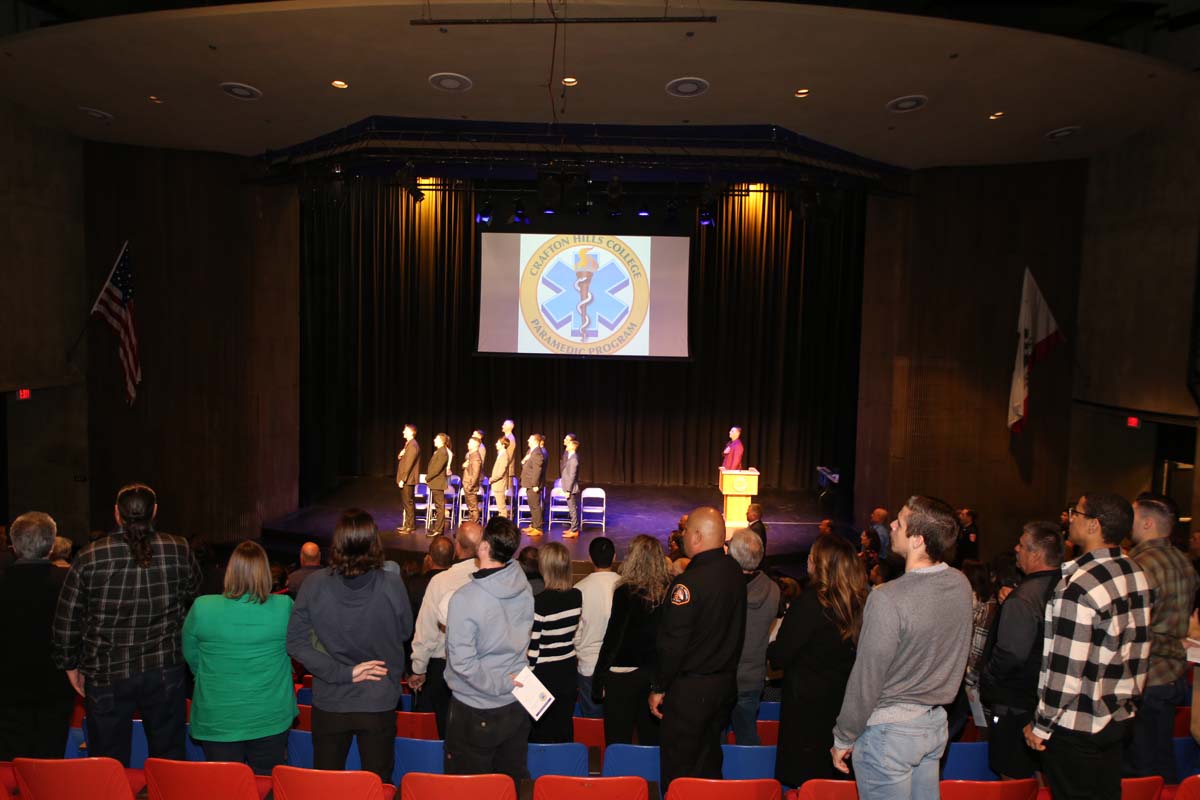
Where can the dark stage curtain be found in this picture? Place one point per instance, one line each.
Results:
(389, 313)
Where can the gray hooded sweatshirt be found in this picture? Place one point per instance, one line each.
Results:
(762, 606)
(487, 636)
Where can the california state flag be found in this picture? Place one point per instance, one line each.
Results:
(1037, 335)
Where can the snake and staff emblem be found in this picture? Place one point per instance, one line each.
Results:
(586, 265)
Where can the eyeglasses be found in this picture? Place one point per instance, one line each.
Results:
(1073, 512)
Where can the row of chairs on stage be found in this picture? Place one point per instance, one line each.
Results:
(593, 503)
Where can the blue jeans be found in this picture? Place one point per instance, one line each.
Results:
(586, 707)
(899, 760)
(745, 718)
(160, 695)
(1151, 749)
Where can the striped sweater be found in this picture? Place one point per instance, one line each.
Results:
(555, 618)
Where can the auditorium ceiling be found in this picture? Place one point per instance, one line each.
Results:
(986, 94)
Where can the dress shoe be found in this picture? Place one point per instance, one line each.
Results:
(534, 532)
(433, 533)
(570, 534)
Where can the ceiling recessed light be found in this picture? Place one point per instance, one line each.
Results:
(687, 87)
(801, 93)
(570, 80)
(450, 82)
(339, 84)
(907, 103)
(1062, 133)
(158, 101)
(96, 113)
(996, 115)
(241, 91)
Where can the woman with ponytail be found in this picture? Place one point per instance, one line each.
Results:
(118, 630)
(815, 649)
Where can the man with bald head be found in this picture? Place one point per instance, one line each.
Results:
(429, 637)
(699, 643)
(310, 562)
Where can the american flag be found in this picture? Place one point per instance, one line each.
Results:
(115, 306)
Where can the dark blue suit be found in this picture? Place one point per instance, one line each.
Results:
(569, 472)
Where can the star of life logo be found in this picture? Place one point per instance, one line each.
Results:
(586, 295)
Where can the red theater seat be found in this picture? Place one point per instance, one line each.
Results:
(54, 779)
(825, 790)
(198, 780)
(417, 725)
(1141, 788)
(294, 783)
(1189, 789)
(704, 789)
(303, 717)
(1183, 721)
(590, 731)
(564, 787)
(990, 790)
(424, 786)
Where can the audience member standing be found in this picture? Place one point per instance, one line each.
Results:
(968, 537)
(488, 624)
(244, 701)
(533, 478)
(556, 613)
(627, 661)
(871, 548)
(699, 643)
(815, 650)
(310, 562)
(597, 590)
(879, 524)
(408, 474)
(348, 629)
(118, 630)
(36, 699)
(1095, 656)
(428, 677)
(1009, 678)
(912, 654)
(1173, 580)
(437, 560)
(983, 614)
(762, 607)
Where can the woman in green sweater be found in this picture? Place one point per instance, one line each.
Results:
(236, 644)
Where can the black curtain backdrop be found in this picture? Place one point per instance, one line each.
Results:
(389, 315)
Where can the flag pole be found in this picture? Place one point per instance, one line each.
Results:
(111, 272)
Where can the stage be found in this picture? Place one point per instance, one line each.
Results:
(791, 518)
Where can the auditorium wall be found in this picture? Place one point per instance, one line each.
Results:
(42, 308)
(945, 255)
(215, 426)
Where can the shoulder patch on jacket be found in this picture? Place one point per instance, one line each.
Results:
(681, 595)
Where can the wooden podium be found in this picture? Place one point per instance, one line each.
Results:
(738, 486)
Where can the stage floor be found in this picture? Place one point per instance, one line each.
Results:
(791, 518)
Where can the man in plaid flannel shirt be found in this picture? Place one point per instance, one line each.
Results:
(118, 630)
(1095, 655)
(1173, 581)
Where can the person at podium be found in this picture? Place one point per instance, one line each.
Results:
(732, 454)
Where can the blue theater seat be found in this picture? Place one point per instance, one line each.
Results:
(569, 759)
(743, 763)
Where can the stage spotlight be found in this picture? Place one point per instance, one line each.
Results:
(706, 217)
(549, 211)
(484, 215)
(643, 210)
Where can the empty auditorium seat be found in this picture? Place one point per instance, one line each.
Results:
(570, 758)
(1183, 721)
(968, 761)
(416, 725)
(294, 783)
(1189, 789)
(54, 779)
(631, 759)
(590, 732)
(990, 790)
(303, 718)
(825, 790)
(425, 786)
(742, 763)
(1187, 757)
(701, 789)
(187, 780)
(768, 710)
(417, 755)
(1141, 788)
(563, 787)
